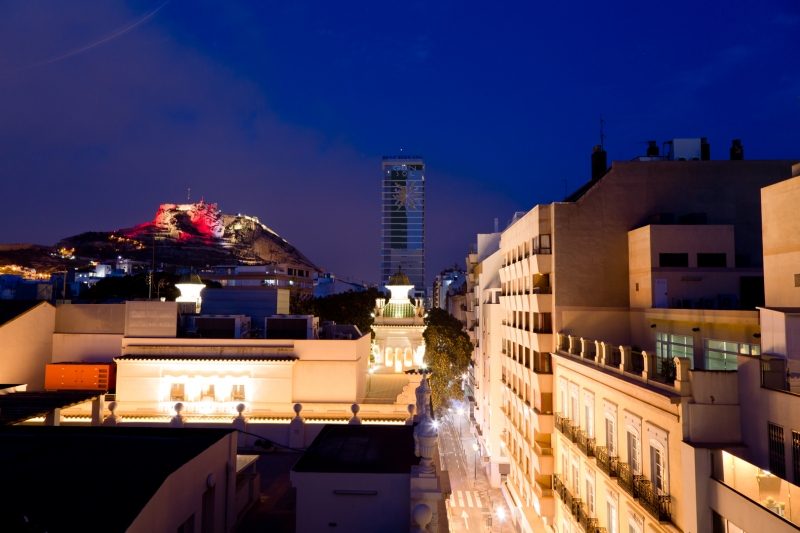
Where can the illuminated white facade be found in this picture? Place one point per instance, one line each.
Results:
(190, 286)
(398, 326)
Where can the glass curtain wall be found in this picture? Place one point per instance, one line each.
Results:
(403, 219)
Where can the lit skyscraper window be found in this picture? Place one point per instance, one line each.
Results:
(403, 219)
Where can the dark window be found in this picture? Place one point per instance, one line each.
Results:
(796, 455)
(673, 260)
(711, 260)
(742, 260)
(777, 452)
(751, 290)
(693, 219)
(188, 526)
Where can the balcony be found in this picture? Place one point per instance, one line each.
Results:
(656, 504)
(586, 444)
(561, 491)
(565, 426)
(607, 464)
(586, 522)
(542, 363)
(625, 479)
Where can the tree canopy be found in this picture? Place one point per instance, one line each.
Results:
(351, 307)
(127, 287)
(448, 351)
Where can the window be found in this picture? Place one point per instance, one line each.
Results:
(565, 467)
(721, 355)
(575, 411)
(777, 453)
(576, 478)
(590, 494)
(712, 260)
(634, 451)
(588, 417)
(673, 260)
(611, 511)
(669, 346)
(207, 392)
(611, 437)
(658, 471)
(237, 393)
(796, 455)
(176, 393)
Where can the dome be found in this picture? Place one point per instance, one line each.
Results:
(399, 278)
(190, 278)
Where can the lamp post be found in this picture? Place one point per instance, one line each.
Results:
(475, 447)
(369, 385)
(460, 414)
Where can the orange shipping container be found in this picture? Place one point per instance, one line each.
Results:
(80, 376)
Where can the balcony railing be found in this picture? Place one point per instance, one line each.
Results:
(629, 481)
(559, 488)
(565, 426)
(656, 504)
(586, 444)
(607, 463)
(541, 363)
(588, 523)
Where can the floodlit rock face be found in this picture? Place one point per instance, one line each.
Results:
(191, 234)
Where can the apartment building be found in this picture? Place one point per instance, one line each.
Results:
(487, 417)
(610, 264)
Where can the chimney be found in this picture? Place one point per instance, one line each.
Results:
(705, 150)
(652, 149)
(737, 150)
(598, 162)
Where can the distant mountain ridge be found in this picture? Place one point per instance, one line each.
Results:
(190, 235)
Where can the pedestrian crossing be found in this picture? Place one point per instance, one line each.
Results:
(465, 498)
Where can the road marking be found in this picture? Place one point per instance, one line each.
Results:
(477, 501)
(460, 499)
(469, 499)
(465, 516)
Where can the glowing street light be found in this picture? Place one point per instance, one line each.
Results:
(501, 515)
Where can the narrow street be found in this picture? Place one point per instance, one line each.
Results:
(473, 501)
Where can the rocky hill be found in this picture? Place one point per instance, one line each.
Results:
(188, 235)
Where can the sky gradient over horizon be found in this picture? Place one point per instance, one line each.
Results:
(282, 110)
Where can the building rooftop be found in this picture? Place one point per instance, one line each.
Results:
(20, 406)
(205, 358)
(90, 478)
(11, 309)
(360, 449)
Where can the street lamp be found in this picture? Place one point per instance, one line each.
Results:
(501, 515)
(369, 385)
(475, 447)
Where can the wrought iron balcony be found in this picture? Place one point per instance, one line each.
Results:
(586, 522)
(560, 422)
(607, 463)
(577, 503)
(625, 479)
(586, 444)
(656, 504)
(559, 488)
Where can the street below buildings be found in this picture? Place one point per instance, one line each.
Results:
(473, 500)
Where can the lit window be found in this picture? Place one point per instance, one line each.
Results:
(176, 393)
(659, 473)
(611, 439)
(207, 392)
(237, 393)
(634, 452)
(722, 355)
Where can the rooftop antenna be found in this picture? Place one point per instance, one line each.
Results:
(602, 136)
(189, 194)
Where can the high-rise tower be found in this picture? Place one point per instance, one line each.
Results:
(403, 219)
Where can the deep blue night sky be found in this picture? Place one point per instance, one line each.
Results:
(282, 110)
